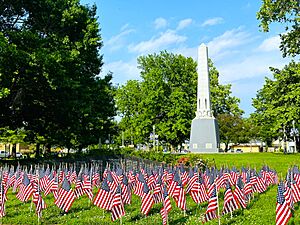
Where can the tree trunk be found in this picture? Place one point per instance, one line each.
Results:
(226, 146)
(37, 150)
(48, 149)
(14, 150)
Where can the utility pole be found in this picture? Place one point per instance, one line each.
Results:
(99, 143)
(284, 140)
(154, 137)
(294, 134)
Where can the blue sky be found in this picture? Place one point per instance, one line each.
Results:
(241, 53)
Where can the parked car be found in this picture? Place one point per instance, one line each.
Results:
(239, 150)
(4, 154)
(19, 155)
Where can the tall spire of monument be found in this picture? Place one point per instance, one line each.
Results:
(203, 90)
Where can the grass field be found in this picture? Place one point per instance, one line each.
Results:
(261, 210)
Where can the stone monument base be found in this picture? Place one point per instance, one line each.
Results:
(204, 136)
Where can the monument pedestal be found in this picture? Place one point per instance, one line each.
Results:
(204, 135)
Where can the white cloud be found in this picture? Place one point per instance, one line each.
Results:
(186, 51)
(227, 42)
(212, 21)
(116, 42)
(255, 65)
(164, 40)
(184, 23)
(160, 23)
(270, 44)
(122, 71)
(124, 27)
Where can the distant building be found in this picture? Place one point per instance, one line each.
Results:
(246, 148)
(23, 148)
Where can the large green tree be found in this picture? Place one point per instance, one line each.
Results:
(286, 12)
(277, 103)
(166, 97)
(48, 71)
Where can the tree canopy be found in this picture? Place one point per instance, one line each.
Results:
(277, 103)
(166, 97)
(49, 66)
(286, 12)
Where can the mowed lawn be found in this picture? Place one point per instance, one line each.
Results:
(261, 209)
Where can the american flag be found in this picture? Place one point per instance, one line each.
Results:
(211, 184)
(295, 191)
(193, 177)
(12, 179)
(248, 186)
(44, 179)
(39, 202)
(126, 193)
(19, 179)
(151, 180)
(174, 183)
(198, 192)
(96, 178)
(117, 209)
(87, 186)
(104, 196)
(111, 181)
(288, 195)
(221, 179)
(234, 174)
(238, 193)
(283, 211)
(52, 186)
(79, 186)
(157, 193)
(211, 211)
(2, 199)
(65, 197)
(230, 203)
(166, 206)
(179, 196)
(183, 175)
(131, 179)
(147, 200)
(140, 182)
(61, 175)
(258, 183)
(26, 189)
(296, 175)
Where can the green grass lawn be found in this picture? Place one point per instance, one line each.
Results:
(260, 211)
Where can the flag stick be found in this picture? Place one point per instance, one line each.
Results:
(164, 205)
(31, 204)
(219, 220)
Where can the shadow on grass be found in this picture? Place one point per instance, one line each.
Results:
(181, 220)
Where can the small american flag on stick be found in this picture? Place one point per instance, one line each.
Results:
(65, 197)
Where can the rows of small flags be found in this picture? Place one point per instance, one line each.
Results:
(116, 185)
(287, 195)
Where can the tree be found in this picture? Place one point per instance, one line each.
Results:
(288, 13)
(49, 72)
(277, 103)
(166, 97)
(233, 129)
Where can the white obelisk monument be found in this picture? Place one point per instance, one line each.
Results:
(204, 131)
